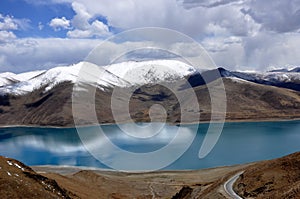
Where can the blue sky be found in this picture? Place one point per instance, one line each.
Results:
(238, 34)
(36, 16)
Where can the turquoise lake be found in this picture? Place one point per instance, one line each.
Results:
(240, 142)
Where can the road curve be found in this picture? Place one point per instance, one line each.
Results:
(228, 186)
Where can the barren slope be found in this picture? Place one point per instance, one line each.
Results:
(245, 101)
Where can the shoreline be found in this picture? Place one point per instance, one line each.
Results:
(65, 169)
(171, 124)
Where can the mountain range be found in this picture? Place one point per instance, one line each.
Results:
(45, 97)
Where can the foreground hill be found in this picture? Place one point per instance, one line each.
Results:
(20, 181)
(278, 178)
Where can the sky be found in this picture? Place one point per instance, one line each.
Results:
(238, 34)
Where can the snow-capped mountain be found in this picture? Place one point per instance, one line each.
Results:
(290, 79)
(130, 73)
(49, 79)
(121, 74)
(153, 71)
(49, 94)
(297, 70)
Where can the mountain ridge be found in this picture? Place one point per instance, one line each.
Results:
(50, 103)
(131, 73)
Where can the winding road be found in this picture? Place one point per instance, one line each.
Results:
(228, 186)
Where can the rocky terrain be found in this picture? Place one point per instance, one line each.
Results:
(278, 178)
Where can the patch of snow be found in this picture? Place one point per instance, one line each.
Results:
(9, 163)
(9, 174)
(19, 166)
(16, 175)
(238, 80)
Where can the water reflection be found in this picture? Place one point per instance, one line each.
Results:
(239, 143)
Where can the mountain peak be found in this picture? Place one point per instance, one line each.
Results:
(153, 71)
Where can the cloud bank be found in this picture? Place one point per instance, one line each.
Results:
(238, 34)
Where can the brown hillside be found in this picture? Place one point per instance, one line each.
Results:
(279, 178)
(19, 181)
(245, 101)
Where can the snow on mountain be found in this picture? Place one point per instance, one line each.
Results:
(290, 79)
(28, 75)
(34, 80)
(268, 76)
(6, 78)
(27, 82)
(131, 73)
(293, 70)
(121, 74)
(153, 71)
(12, 78)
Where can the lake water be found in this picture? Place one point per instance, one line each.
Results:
(239, 142)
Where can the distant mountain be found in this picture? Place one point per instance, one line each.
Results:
(290, 79)
(45, 97)
(294, 70)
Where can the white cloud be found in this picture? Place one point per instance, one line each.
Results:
(275, 15)
(40, 26)
(6, 36)
(34, 54)
(84, 25)
(81, 19)
(97, 28)
(7, 23)
(59, 23)
(277, 50)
